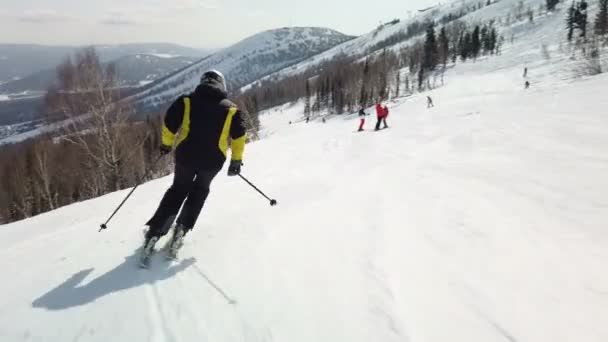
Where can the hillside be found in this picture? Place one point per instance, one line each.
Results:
(482, 219)
(159, 83)
(134, 70)
(22, 60)
(405, 32)
(246, 61)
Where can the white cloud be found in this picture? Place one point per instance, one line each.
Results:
(155, 13)
(194, 4)
(41, 16)
(257, 13)
(118, 19)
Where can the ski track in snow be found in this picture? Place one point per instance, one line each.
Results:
(483, 227)
(482, 219)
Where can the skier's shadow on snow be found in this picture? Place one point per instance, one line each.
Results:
(123, 277)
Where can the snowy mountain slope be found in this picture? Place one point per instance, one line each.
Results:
(482, 219)
(22, 60)
(133, 71)
(247, 60)
(243, 62)
(369, 44)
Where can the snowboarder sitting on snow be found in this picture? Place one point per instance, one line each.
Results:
(206, 120)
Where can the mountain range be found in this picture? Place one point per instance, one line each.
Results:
(21, 60)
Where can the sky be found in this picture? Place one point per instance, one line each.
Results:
(195, 23)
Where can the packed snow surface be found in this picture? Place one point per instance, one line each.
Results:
(482, 219)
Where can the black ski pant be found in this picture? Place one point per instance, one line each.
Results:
(189, 184)
(381, 120)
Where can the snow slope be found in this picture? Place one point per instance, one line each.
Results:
(482, 219)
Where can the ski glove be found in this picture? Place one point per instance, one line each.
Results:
(164, 149)
(235, 167)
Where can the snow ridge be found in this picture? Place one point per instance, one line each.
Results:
(246, 61)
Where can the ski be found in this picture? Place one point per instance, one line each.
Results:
(176, 243)
(147, 251)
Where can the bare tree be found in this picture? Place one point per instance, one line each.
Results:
(96, 118)
(42, 167)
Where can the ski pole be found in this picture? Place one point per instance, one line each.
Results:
(105, 225)
(273, 202)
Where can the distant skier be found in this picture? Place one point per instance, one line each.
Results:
(206, 120)
(527, 84)
(362, 114)
(381, 114)
(385, 116)
(429, 102)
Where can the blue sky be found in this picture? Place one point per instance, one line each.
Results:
(197, 23)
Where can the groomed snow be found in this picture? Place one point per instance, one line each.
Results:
(482, 219)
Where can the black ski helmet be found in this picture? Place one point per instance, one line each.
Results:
(214, 77)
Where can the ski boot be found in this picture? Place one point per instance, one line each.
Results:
(177, 241)
(147, 251)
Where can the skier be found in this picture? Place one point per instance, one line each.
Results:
(385, 116)
(429, 102)
(527, 84)
(381, 114)
(362, 114)
(206, 120)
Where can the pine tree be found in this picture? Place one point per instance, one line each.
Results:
(430, 49)
(420, 78)
(581, 21)
(462, 46)
(383, 84)
(316, 108)
(475, 42)
(485, 37)
(493, 40)
(551, 4)
(363, 96)
(398, 83)
(444, 47)
(601, 20)
(570, 21)
(307, 99)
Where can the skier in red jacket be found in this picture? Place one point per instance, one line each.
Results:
(381, 114)
(385, 116)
